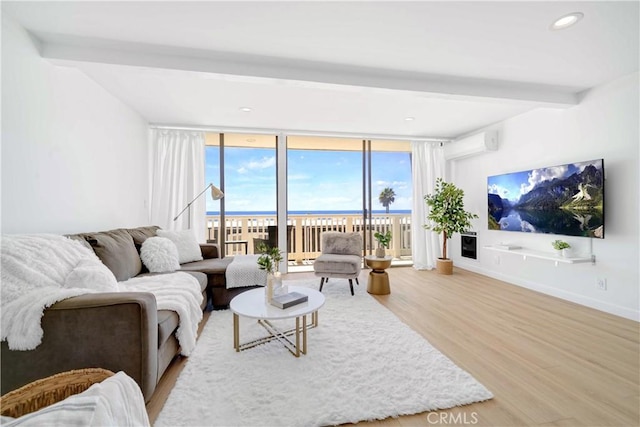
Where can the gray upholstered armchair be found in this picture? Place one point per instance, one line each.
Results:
(341, 257)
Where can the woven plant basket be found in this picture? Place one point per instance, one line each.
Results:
(47, 391)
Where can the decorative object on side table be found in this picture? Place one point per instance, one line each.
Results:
(383, 242)
(561, 247)
(447, 216)
(269, 260)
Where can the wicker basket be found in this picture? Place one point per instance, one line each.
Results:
(47, 391)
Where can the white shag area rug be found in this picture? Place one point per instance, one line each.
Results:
(362, 363)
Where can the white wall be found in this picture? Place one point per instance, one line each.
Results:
(74, 158)
(604, 125)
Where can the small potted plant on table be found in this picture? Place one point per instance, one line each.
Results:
(383, 242)
(269, 260)
(561, 247)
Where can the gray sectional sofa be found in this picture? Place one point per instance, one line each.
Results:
(120, 331)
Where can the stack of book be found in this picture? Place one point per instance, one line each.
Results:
(289, 300)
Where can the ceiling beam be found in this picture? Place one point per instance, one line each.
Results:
(245, 67)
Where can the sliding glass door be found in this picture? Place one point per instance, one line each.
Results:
(326, 184)
(390, 195)
(347, 185)
(245, 167)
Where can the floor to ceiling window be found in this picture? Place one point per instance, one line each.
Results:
(331, 184)
(391, 195)
(324, 182)
(330, 188)
(248, 180)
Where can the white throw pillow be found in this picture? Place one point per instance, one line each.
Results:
(159, 255)
(188, 247)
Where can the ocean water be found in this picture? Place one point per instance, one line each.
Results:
(299, 213)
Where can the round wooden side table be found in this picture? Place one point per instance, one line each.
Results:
(378, 278)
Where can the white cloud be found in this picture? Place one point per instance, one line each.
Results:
(537, 176)
(500, 191)
(394, 185)
(264, 163)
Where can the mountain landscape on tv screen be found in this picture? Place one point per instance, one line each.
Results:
(565, 199)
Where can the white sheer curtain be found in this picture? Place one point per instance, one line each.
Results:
(428, 164)
(177, 176)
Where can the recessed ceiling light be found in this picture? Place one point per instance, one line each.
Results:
(409, 119)
(246, 109)
(566, 21)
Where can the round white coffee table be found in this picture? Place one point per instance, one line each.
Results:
(252, 304)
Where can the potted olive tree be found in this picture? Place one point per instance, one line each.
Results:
(447, 216)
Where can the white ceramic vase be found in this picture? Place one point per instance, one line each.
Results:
(268, 290)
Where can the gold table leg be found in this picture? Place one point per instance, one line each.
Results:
(275, 333)
(304, 334)
(236, 332)
(297, 337)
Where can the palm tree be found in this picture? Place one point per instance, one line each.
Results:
(386, 197)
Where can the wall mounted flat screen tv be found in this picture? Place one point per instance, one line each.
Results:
(566, 199)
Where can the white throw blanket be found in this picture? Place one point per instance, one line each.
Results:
(179, 292)
(244, 271)
(116, 401)
(40, 270)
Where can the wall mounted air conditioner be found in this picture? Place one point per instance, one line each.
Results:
(471, 145)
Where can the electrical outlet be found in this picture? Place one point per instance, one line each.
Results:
(496, 260)
(601, 283)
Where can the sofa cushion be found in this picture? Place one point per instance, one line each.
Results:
(167, 323)
(202, 280)
(159, 255)
(141, 234)
(80, 238)
(208, 266)
(168, 319)
(116, 250)
(188, 247)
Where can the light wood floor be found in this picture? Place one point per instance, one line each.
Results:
(547, 361)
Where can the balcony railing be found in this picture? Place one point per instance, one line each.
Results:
(304, 233)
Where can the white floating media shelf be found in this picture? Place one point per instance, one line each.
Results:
(517, 250)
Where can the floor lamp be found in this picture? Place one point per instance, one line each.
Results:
(216, 194)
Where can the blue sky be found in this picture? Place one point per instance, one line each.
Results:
(318, 180)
